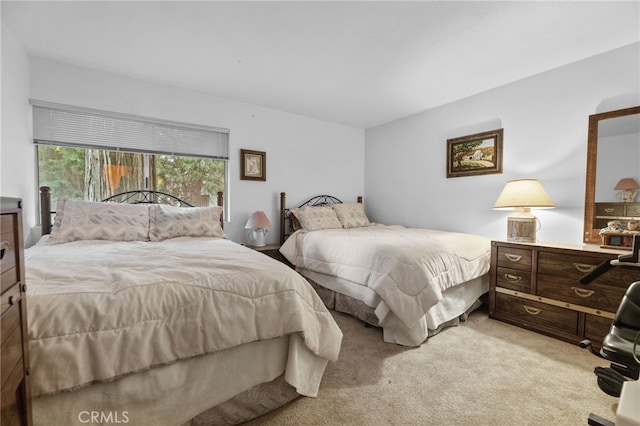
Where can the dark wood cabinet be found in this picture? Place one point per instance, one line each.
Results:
(536, 286)
(14, 354)
(624, 212)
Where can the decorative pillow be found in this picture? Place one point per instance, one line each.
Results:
(88, 220)
(55, 228)
(351, 215)
(172, 222)
(316, 218)
(295, 223)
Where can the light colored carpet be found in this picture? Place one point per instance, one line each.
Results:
(485, 372)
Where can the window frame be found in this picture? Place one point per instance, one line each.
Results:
(78, 127)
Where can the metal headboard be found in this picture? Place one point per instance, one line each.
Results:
(146, 196)
(318, 200)
(141, 196)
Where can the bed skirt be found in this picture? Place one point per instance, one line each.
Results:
(250, 404)
(458, 302)
(204, 390)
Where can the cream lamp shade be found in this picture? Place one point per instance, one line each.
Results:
(626, 187)
(258, 226)
(521, 195)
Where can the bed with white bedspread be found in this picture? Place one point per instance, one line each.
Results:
(169, 329)
(410, 281)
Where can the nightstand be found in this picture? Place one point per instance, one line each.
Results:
(272, 250)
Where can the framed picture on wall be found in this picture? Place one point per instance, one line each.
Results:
(253, 165)
(477, 154)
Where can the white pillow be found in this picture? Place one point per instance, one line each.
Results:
(351, 215)
(316, 218)
(172, 222)
(88, 220)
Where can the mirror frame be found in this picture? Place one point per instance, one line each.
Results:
(591, 235)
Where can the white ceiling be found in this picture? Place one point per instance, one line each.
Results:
(358, 63)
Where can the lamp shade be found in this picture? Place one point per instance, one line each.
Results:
(627, 183)
(523, 193)
(258, 220)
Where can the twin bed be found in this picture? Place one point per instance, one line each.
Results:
(411, 282)
(144, 313)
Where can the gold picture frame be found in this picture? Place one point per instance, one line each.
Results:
(253, 165)
(477, 154)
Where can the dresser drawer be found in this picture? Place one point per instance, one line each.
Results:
(613, 210)
(12, 406)
(567, 265)
(595, 328)
(596, 296)
(621, 277)
(8, 279)
(632, 209)
(515, 258)
(7, 237)
(533, 313)
(9, 299)
(9, 260)
(576, 266)
(514, 279)
(11, 351)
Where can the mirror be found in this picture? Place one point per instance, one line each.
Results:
(615, 134)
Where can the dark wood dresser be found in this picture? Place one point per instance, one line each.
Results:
(14, 354)
(624, 212)
(536, 286)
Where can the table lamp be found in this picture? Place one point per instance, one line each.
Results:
(627, 187)
(258, 226)
(521, 195)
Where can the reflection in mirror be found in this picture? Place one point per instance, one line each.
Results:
(613, 153)
(618, 155)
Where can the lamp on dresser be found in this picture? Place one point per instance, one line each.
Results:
(521, 195)
(258, 226)
(626, 188)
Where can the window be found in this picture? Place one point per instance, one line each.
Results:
(95, 174)
(91, 155)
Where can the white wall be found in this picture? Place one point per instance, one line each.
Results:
(305, 156)
(545, 121)
(403, 173)
(17, 156)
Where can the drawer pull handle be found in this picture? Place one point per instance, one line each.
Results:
(513, 257)
(512, 278)
(11, 302)
(583, 292)
(531, 310)
(609, 210)
(584, 267)
(4, 245)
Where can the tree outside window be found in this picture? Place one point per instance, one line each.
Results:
(95, 174)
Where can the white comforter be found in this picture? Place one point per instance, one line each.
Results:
(408, 267)
(100, 310)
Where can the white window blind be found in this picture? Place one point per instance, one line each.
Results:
(57, 124)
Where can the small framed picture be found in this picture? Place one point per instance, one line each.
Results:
(253, 165)
(477, 154)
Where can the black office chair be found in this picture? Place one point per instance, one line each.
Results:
(621, 346)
